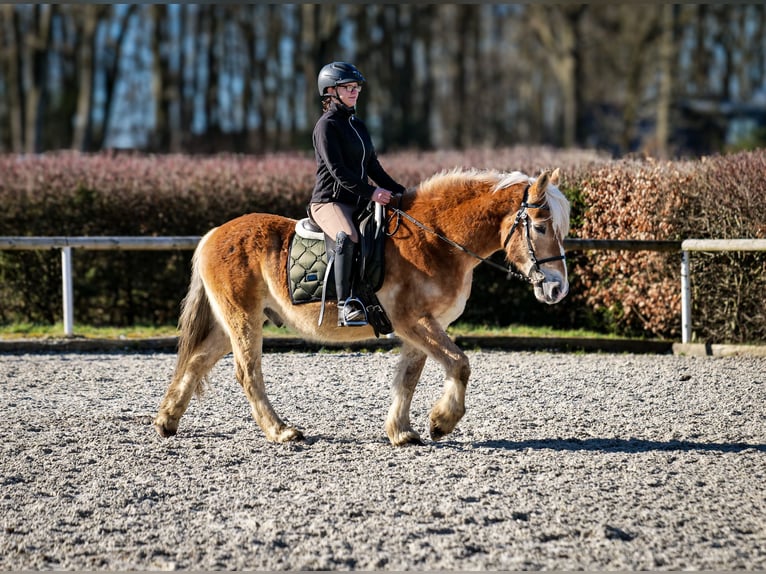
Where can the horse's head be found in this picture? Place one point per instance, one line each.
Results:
(534, 237)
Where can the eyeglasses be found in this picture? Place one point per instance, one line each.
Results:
(350, 88)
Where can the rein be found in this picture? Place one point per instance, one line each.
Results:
(521, 217)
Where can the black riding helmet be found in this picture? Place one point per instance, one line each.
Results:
(337, 73)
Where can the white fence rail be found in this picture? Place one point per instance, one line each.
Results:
(66, 244)
(126, 243)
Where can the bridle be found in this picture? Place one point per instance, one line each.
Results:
(522, 219)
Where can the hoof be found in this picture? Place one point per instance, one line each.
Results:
(165, 428)
(437, 432)
(165, 431)
(289, 434)
(405, 438)
(443, 423)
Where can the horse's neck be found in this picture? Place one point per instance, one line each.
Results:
(475, 222)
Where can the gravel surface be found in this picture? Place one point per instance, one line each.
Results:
(563, 461)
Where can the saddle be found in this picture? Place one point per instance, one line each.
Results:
(310, 276)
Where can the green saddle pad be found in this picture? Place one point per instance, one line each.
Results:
(306, 270)
(307, 266)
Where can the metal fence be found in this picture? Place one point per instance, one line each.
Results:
(127, 243)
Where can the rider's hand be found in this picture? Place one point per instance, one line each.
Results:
(381, 196)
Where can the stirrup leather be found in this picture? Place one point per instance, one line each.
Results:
(358, 306)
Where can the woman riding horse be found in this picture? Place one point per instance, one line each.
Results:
(445, 227)
(345, 158)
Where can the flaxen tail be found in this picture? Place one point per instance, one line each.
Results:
(195, 323)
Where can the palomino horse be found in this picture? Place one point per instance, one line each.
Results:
(446, 226)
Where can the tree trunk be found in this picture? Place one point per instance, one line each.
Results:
(557, 30)
(13, 78)
(639, 26)
(665, 95)
(111, 55)
(210, 17)
(188, 71)
(36, 47)
(160, 138)
(86, 63)
(308, 60)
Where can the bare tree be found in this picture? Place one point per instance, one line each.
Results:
(111, 58)
(12, 72)
(165, 91)
(557, 28)
(639, 27)
(307, 58)
(423, 34)
(742, 29)
(210, 24)
(87, 19)
(665, 92)
(35, 43)
(441, 75)
(445, 70)
(320, 31)
(703, 54)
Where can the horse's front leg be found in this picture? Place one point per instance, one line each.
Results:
(398, 426)
(429, 336)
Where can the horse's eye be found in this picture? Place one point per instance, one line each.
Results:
(540, 229)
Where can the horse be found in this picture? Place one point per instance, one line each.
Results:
(440, 231)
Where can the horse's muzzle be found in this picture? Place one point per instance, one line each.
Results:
(552, 289)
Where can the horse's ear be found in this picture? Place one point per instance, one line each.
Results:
(555, 176)
(538, 188)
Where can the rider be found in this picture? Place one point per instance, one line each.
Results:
(345, 159)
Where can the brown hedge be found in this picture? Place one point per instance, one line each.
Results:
(621, 292)
(639, 292)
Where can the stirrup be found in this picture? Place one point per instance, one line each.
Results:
(356, 316)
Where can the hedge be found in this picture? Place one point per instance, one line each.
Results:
(636, 293)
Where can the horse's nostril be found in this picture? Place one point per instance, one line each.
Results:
(555, 292)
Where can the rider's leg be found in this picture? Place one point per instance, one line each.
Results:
(336, 219)
(349, 309)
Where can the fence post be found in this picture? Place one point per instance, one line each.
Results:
(66, 279)
(686, 299)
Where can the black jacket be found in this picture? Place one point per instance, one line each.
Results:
(345, 159)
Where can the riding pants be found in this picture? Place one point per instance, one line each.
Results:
(335, 217)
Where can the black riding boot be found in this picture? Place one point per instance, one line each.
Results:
(350, 310)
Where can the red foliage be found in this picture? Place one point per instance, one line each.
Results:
(625, 292)
(716, 197)
(634, 200)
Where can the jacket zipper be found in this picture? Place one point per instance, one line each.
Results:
(336, 185)
(364, 150)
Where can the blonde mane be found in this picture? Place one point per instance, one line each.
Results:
(556, 200)
(456, 176)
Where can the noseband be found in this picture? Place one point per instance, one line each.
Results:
(537, 276)
(522, 218)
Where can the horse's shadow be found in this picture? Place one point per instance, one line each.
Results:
(601, 445)
(631, 445)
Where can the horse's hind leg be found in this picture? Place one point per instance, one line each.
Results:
(247, 346)
(433, 340)
(398, 426)
(188, 379)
